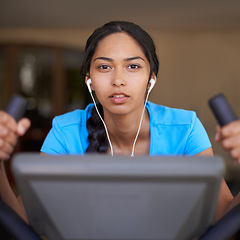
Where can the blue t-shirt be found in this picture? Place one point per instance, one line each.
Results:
(172, 132)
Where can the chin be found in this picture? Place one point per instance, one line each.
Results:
(118, 109)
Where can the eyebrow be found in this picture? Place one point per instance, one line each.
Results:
(133, 58)
(104, 58)
(125, 59)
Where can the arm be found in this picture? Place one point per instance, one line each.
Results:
(226, 201)
(9, 132)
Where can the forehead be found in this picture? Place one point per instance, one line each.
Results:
(119, 45)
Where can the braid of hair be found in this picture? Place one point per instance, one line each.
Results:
(97, 136)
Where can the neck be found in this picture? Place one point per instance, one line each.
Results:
(123, 130)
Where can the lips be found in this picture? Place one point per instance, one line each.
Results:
(118, 95)
(118, 98)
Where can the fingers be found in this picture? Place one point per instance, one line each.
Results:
(9, 132)
(231, 129)
(229, 136)
(5, 149)
(8, 135)
(23, 125)
(231, 142)
(8, 129)
(235, 153)
(218, 136)
(8, 121)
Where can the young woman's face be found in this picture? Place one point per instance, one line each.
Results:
(120, 72)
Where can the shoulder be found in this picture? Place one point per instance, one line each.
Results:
(170, 116)
(68, 133)
(177, 131)
(76, 117)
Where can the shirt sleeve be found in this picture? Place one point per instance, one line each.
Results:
(198, 139)
(54, 143)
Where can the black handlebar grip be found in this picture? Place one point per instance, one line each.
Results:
(16, 107)
(222, 110)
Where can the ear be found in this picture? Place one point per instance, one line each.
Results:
(153, 76)
(86, 78)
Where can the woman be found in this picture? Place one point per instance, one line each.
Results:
(121, 67)
(120, 60)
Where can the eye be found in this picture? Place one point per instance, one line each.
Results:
(104, 67)
(134, 66)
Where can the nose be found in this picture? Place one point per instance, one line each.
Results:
(118, 78)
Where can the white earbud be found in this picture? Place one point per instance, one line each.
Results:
(152, 83)
(89, 82)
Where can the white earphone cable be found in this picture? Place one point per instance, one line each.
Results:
(139, 127)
